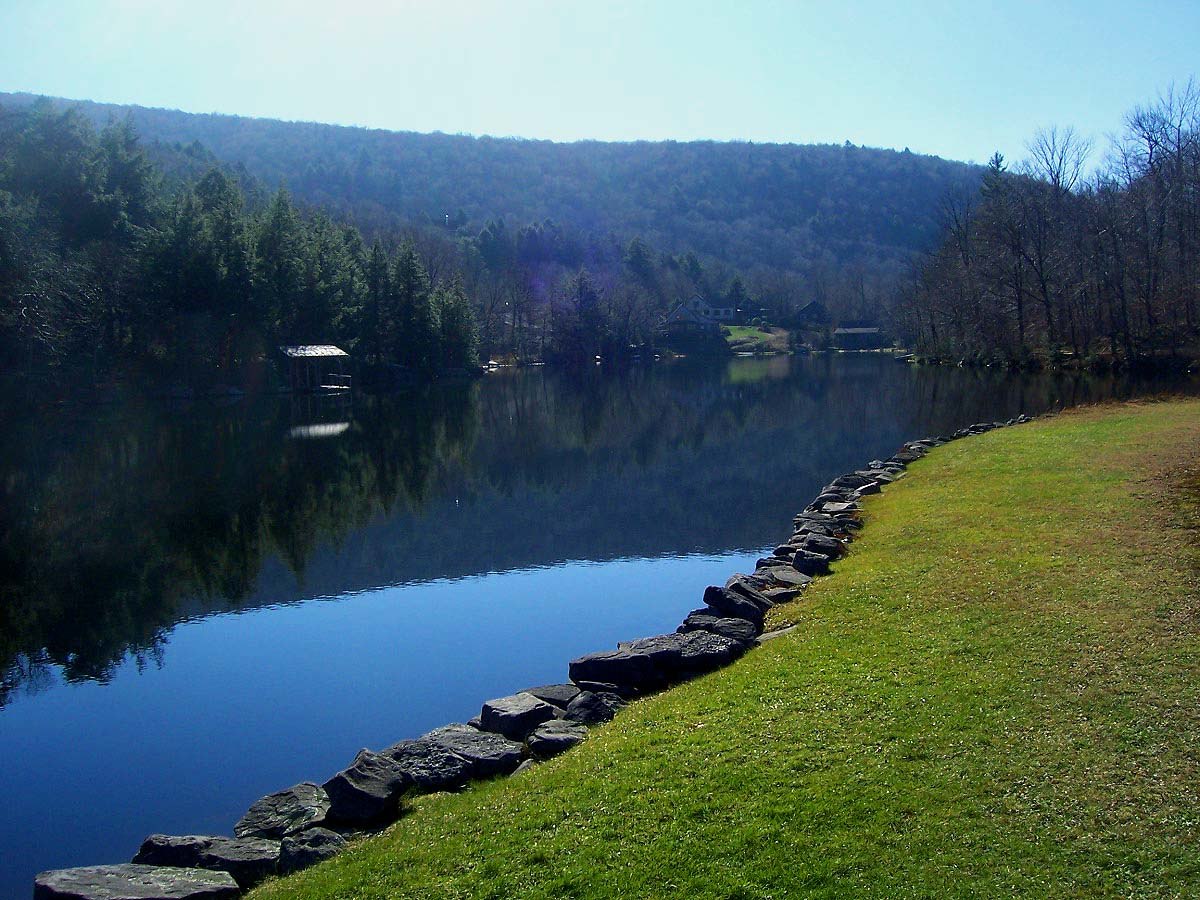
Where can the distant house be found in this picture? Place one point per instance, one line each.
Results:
(812, 315)
(697, 315)
(859, 336)
(316, 367)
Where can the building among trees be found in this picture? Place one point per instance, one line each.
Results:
(859, 336)
(697, 315)
(316, 367)
(812, 315)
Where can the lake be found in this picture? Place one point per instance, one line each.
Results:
(205, 603)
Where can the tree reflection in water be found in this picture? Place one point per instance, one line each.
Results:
(119, 522)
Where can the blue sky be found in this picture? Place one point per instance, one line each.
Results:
(955, 79)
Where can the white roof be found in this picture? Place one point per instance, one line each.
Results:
(310, 350)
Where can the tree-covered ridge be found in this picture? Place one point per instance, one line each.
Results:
(1046, 261)
(768, 210)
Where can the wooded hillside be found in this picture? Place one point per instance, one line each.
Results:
(770, 210)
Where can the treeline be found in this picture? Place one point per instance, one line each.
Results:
(835, 223)
(119, 260)
(1049, 262)
(109, 268)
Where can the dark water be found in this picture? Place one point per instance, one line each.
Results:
(201, 605)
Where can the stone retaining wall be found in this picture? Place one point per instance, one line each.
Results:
(307, 823)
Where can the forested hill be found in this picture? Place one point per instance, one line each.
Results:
(799, 209)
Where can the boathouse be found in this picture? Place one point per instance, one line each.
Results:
(859, 336)
(316, 367)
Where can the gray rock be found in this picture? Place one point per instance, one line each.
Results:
(808, 528)
(754, 582)
(591, 708)
(737, 629)
(662, 650)
(732, 605)
(552, 738)
(828, 547)
(784, 576)
(703, 651)
(867, 489)
(367, 791)
(817, 518)
(748, 593)
(308, 848)
(555, 694)
(626, 692)
(808, 563)
(134, 882)
(525, 766)
(429, 766)
(285, 812)
(783, 594)
(248, 860)
(682, 655)
(850, 481)
(486, 753)
(883, 477)
(701, 620)
(620, 667)
(515, 716)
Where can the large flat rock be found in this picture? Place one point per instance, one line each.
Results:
(738, 629)
(808, 563)
(784, 576)
(515, 716)
(248, 860)
(285, 812)
(730, 604)
(826, 546)
(593, 708)
(703, 651)
(487, 754)
(299, 851)
(555, 694)
(134, 882)
(554, 737)
(367, 791)
(624, 668)
(429, 766)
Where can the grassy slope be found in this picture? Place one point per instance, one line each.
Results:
(996, 695)
(750, 339)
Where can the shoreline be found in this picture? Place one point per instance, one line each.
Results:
(996, 696)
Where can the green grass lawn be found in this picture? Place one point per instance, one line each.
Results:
(751, 339)
(997, 694)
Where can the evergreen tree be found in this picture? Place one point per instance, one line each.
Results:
(376, 321)
(413, 340)
(280, 266)
(459, 338)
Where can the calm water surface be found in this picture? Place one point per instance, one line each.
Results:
(202, 605)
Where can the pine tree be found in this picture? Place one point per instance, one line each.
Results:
(459, 339)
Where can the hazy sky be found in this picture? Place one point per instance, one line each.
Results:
(956, 79)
